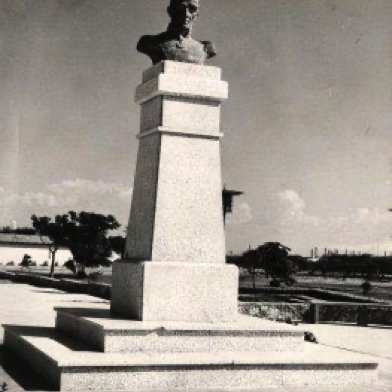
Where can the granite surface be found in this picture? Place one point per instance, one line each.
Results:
(167, 291)
(82, 370)
(176, 213)
(104, 333)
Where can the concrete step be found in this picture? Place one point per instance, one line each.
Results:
(69, 365)
(107, 334)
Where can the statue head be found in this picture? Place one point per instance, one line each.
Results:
(183, 13)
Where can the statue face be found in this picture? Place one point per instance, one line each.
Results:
(183, 13)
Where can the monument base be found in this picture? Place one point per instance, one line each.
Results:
(263, 355)
(169, 291)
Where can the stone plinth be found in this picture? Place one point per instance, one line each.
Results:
(174, 266)
(176, 212)
(197, 292)
(69, 365)
(110, 335)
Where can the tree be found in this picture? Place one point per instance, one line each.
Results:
(55, 232)
(117, 244)
(87, 240)
(276, 263)
(250, 260)
(84, 233)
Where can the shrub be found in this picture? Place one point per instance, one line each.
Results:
(10, 263)
(71, 265)
(290, 281)
(366, 287)
(45, 264)
(275, 283)
(81, 274)
(27, 261)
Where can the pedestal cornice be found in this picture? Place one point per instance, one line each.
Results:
(183, 86)
(205, 134)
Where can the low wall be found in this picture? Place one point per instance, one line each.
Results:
(358, 313)
(100, 290)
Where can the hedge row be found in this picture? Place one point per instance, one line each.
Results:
(321, 312)
(280, 311)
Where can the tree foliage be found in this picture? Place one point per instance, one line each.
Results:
(365, 265)
(274, 259)
(84, 234)
(46, 228)
(117, 244)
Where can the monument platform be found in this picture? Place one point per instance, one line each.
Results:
(143, 356)
(173, 321)
(107, 334)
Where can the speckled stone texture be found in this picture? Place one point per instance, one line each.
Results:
(176, 212)
(193, 292)
(173, 321)
(174, 265)
(107, 334)
(71, 366)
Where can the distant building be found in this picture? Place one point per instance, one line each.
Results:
(14, 246)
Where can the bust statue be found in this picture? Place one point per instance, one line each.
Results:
(176, 42)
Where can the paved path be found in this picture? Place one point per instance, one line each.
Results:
(28, 305)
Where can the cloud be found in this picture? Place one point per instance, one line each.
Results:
(79, 194)
(361, 228)
(241, 214)
(292, 210)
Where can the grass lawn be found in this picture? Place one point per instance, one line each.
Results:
(381, 290)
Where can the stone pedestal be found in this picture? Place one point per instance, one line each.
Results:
(193, 292)
(174, 266)
(172, 323)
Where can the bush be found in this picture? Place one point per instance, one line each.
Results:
(275, 283)
(81, 274)
(10, 263)
(27, 261)
(290, 281)
(71, 265)
(45, 264)
(366, 287)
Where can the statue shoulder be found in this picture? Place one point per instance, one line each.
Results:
(209, 48)
(146, 42)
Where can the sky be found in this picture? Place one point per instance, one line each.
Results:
(308, 122)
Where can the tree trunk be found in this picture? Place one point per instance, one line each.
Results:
(254, 284)
(53, 254)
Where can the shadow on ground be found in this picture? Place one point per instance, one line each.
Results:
(18, 376)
